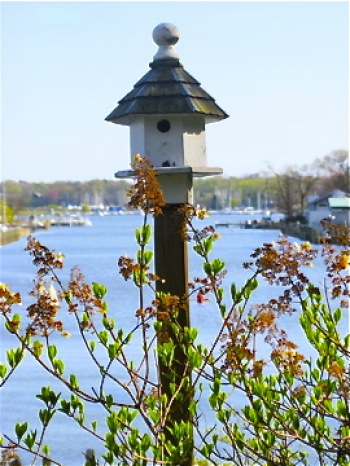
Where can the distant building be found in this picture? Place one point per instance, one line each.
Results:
(340, 209)
(334, 205)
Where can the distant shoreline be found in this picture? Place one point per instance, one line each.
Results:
(13, 234)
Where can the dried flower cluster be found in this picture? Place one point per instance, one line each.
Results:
(336, 254)
(146, 193)
(8, 298)
(287, 358)
(43, 257)
(189, 232)
(281, 264)
(44, 311)
(81, 295)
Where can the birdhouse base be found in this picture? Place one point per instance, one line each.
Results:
(196, 172)
(176, 182)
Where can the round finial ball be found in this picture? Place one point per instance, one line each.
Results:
(166, 34)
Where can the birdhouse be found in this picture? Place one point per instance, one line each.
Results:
(167, 111)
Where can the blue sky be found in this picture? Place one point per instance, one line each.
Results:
(279, 69)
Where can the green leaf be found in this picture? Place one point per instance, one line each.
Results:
(48, 396)
(30, 439)
(109, 401)
(247, 291)
(166, 353)
(208, 244)
(192, 333)
(217, 266)
(15, 323)
(103, 336)
(207, 268)
(147, 255)
(207, 449)
(21, 429)
(14, 357)
(220, 293)
(143, 235)
(38, 348)
(108, 323)
(328, 404)
(198, 249)
(253, 284)
(224, 415)
(128, 338)
(316, 374)
(233, 291)
(113, 422)
(113, 350)
(223, 310)
(58, 365)
(109, 457)
(65, 406)
(45, 416)
(337, 316)
(73, 381)
(46, 449)
(94, 425)
(138, 235)
(296, 422)
(98, 290)
(342, 409)
(3, 371)
(347, 341)
(145, 442)
(52, 352)
(157, 325)
(12, 326)
(139, 277)
(194, 358)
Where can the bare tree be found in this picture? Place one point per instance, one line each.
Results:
(334, 170)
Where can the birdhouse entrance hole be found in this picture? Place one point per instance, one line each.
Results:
(163, 126)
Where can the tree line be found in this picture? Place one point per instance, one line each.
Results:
(286, 191)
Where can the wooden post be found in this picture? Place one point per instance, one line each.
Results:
(171, 263)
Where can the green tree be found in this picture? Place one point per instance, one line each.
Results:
(86, 208)
(6, 213)
(12, 195)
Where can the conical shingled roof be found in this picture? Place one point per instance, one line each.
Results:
(166, 89)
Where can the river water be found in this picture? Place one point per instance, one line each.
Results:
(96, 250)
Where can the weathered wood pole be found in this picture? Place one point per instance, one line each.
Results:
(171, 263)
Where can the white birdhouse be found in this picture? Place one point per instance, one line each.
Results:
(167, 111)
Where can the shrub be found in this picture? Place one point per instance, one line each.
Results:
(295, 409)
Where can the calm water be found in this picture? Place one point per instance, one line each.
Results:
(96, 250)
